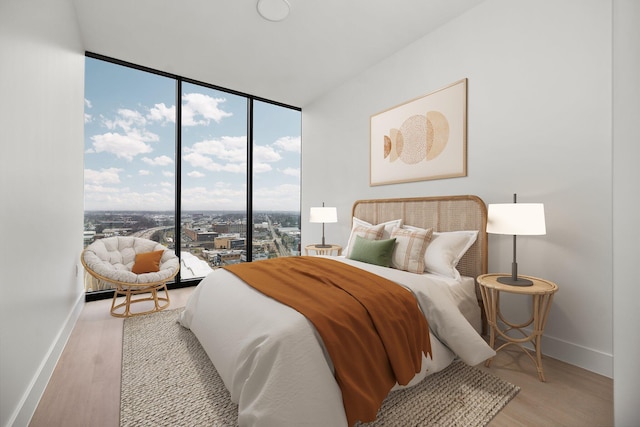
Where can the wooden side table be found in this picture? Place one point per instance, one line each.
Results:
(323, 251)
(542, 295)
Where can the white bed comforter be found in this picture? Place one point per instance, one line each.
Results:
(273, 362)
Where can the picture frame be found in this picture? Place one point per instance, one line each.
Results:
(422, 139)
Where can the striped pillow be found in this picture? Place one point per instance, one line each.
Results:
(388, 225)
(373, 232)
(410, 248)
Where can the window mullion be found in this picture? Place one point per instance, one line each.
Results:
(249, 244)
(178, 172)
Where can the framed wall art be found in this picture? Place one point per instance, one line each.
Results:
(422, 139)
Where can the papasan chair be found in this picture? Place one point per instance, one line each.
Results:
(135, 266)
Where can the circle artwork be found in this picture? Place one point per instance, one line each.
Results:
(420, 137)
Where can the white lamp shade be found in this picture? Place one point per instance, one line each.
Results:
(323, 214)
(519, 219)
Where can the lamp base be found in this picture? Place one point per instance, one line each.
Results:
(519, 281)
(322, 246)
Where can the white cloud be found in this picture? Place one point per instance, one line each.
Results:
(158, 161)
(128, 137)
(143, 135)
(126, 119)
(230, 148)
(200, 109)
(267, 154)
(261, 167)
(87, 118)
(226, 154)
(281, 197)
(162, 113)
(288, 143)
(292, 172)
(262, 156)
(124, 198)
(87, 103)
(123, 146)
(235, 168)
(279, 190)
(218, 197)
(101, 177)
(198, 160)
(93, 190)
(131, 115)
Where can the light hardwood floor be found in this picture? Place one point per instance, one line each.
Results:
(84, 389)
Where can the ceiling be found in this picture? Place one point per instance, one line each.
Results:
(320, 45)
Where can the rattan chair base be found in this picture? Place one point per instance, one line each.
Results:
(129, 293)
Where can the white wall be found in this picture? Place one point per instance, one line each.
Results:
(539, 124)
(626, 234)
(41, 123)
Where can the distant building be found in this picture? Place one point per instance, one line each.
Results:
(110, 232)
(200, 235)
(228, 258)
(230, 242)
(89, 236)
(238, 227)
(256, 256)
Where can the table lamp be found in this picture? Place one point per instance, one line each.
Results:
(517, 219)
(323, 215)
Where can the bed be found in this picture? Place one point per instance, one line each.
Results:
(274, 362)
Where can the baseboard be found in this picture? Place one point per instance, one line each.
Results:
(586, 358)
(29, 402)
(577, 355)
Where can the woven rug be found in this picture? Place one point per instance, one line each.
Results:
(168, 380)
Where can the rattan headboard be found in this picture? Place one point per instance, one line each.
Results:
(445, 213)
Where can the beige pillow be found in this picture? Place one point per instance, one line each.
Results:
(411, 245)
(373, 232)
(388, 225)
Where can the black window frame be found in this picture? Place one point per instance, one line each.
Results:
(178, 281)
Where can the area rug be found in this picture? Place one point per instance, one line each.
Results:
(168, 380)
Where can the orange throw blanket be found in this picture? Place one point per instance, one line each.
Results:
(372, 328)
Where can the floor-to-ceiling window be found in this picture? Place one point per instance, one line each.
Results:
(210, 172)
(276, 181)
(129, 161)
(214, 178)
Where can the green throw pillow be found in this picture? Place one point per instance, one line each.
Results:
(377, 252)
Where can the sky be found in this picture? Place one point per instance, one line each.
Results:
(130, 134)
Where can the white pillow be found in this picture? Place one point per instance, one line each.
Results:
(408, 255)
(446, 249)
(386, 231)
(371, 232)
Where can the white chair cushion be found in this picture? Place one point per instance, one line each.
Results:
(113, 258)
